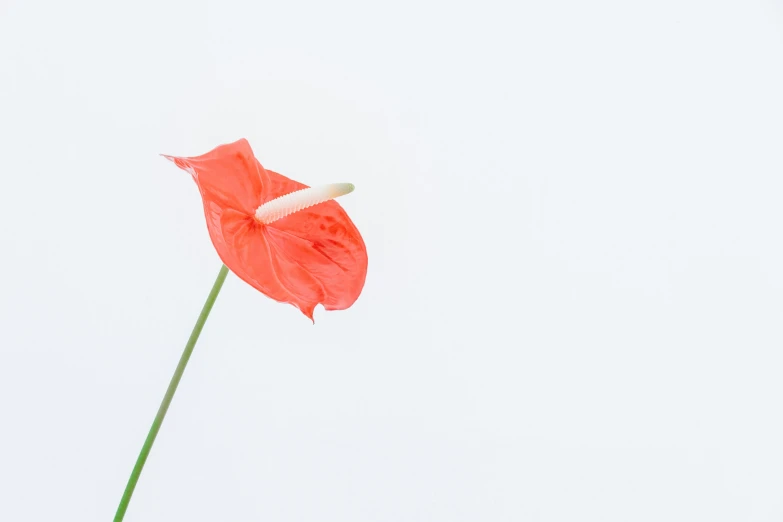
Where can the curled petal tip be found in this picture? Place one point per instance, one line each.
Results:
(308, 311)
(175, 160)
(179, 162)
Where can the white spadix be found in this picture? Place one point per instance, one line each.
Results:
(281, 207)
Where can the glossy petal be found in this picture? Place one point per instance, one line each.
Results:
(228, 175)
(312, 256)
(326, 243)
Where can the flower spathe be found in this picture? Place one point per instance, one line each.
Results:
(311, 256)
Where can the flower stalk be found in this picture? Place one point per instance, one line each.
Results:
(164, 405)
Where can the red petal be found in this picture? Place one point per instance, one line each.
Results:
(312, 256)
(228, 175)
(242, 246)
(326, 244)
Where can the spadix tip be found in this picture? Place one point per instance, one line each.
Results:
(341, 189)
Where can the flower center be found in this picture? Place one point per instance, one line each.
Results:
(283, 206)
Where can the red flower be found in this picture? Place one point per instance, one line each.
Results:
(310, 256)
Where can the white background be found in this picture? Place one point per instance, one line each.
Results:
(573, 216)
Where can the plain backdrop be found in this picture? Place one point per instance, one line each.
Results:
(574, 300)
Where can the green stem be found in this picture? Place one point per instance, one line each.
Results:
(164, 405)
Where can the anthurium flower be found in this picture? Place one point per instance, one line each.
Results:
(293, 243)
